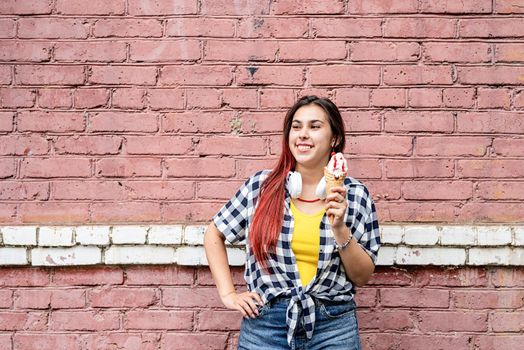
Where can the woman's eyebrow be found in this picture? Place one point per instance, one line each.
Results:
(309, 121)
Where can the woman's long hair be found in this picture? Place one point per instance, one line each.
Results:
(269, 214)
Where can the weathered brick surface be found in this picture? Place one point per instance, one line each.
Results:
(413, 307)
(157, 89)
(155, 111)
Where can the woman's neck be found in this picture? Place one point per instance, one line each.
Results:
(310, 175)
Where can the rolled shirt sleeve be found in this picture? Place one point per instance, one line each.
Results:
(234, 217)
(362, 220)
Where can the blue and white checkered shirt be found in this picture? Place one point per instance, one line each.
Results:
(282, 278)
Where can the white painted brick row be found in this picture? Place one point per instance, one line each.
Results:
(386, 256)
(13, 256)
(492, 236)
(466, 236)
(421, 235)
(196, 256)
(194, 235)
(489, 256)
(430, 256)
(73, 256)
(416, 235)
(191, 256)
(517, 257)
(55, 236)
(496, 256)
(458, 235)
(391, 234)
(19, 235)
(519, 236)
(157, 234)
(92, 235)
(168, 244)
(145, 254)
(236, 256)
(163, 234)
(129, 234)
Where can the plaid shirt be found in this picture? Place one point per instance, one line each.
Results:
(330, 282)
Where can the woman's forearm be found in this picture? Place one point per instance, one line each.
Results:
(357, 263)
(216, 254)
(217, 258)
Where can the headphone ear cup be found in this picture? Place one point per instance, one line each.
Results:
(321, 188)
(294, 184)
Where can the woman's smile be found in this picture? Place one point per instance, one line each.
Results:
(303, 147)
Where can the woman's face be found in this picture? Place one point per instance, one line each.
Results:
(310, 137)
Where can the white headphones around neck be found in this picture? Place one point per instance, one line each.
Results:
(294, 186)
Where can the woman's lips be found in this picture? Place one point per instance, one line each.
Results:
(304, 147)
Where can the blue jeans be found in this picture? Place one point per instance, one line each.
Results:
(336, 327)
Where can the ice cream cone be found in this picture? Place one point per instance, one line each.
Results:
(335, 174)
(332, 181)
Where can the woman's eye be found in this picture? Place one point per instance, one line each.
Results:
(315, 127)
(296, 127)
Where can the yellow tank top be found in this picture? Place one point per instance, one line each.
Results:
(306, 242)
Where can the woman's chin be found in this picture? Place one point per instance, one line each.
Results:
(306, 162)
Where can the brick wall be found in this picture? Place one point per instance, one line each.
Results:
(155, 111)
(169, 307)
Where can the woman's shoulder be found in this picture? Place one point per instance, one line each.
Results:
(351, 181)
(258, 177)
(262, 173)
(353, 185)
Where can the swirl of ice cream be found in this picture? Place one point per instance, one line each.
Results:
(337, 165)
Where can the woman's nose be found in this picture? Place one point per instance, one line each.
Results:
(303, 133)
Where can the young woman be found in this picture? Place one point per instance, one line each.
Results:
(305, 255)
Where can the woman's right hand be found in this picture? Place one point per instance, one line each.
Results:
(245, 302)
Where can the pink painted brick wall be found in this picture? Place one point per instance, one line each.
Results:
(102, 101)
(169, 307)
(155, 111)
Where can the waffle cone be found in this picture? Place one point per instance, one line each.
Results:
(332, 181)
